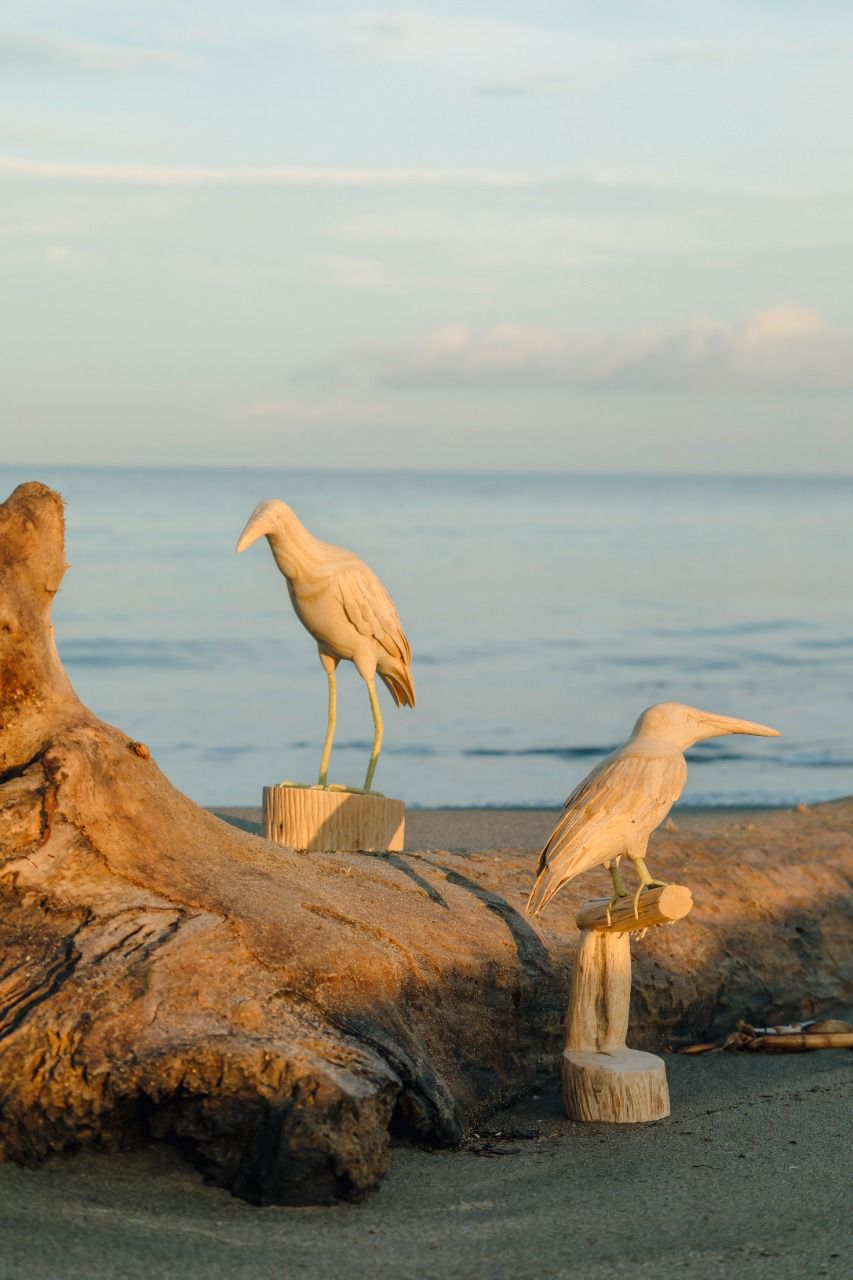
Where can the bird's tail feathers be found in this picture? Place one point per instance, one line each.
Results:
(400, 685)
(548, 883)
(566, 855)
(542, 892)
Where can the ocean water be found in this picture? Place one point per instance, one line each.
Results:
(544, 611)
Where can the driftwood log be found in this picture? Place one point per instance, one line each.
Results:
(277, 1015)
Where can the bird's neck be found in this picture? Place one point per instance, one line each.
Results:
(294, 549)
(643, 744)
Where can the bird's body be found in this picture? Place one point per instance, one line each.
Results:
(616, 808)
(344, 606)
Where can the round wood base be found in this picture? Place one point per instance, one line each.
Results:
(322, 821)
(626, 1087)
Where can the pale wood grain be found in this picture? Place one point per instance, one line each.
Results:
(319, 821)
(601, 993)
(662, 905)
(603, 1080)
(628, 1087)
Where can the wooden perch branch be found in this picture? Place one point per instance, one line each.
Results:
(655, 906)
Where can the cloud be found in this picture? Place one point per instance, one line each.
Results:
(780, 347)
(598, 183)
(529, 88)
(289, 410)
(421, 36)
(455, 354)
(497, 55)
(25, 226)
(781, 324)
(269, 415)
(24, 52)
(62, 257)
(687, 53)
(154, 175)
(379, 275)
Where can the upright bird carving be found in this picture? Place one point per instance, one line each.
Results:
(616, 808)
(345, 607)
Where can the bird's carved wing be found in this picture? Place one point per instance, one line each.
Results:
(625, 797)
(371, 610)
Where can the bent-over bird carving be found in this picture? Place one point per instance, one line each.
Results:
(345, 607)
(616, 808)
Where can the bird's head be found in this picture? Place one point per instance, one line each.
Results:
(268, 519)
(680, 725)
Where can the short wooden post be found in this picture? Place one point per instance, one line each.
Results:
(602, 1079)
(322, 820)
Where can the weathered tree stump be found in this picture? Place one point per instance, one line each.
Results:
(275, 1014)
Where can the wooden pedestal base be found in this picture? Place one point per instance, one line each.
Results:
(602, 1079)
(322, 821)
(626, 1087)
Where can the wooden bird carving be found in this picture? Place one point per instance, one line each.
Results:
(344, 606)
(616, 808)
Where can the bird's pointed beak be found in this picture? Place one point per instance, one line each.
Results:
(256, 528)
(717, 726)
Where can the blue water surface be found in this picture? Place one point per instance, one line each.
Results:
(544, 611)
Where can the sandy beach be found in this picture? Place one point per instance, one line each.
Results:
(490, 830)
(748, 1175)
(746, 1178)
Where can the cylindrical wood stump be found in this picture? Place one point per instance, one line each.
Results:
(602, 1079)
(324, 821)
(628, 1087)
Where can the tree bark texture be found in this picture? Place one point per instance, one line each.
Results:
(277, 1015)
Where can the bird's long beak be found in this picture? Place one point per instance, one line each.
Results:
(715, 726)
(256, 527)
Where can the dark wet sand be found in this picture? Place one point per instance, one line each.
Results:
(749, 1177)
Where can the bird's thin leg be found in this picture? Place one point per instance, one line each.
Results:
(646, 882)
(619, 890)
(377, 732)
(329, 665)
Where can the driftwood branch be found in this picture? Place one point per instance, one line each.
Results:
(277, 1015)
(797, 1043)
(827, 1034)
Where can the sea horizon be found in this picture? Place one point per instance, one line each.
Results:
(545, 611)
(548, 473)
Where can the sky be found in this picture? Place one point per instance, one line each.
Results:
(610, 236)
